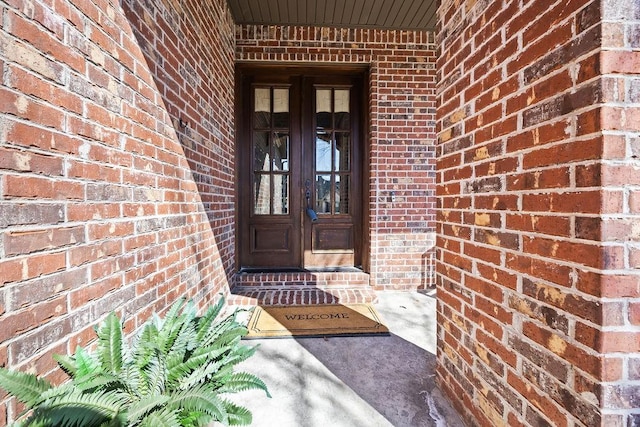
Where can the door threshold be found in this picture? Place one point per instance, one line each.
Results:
(301, 270)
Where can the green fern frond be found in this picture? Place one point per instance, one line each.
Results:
(145, 342)
(238, 415)
(70, 416)
(163, 418)
(184, 342)
(199, 375)
(153, 376)
(27, 388)
(237, 355)
(201, 358)
(216, 330)
(195, 419)
(66, 363)
(169, 328)
(207, 320)
(229, 336)
(242, 352)
(80, 409)
(223, 373)
(144, 406)
(213, 351)
(200, 399)
(110, 344)
(241, 381)
(100, 380)
(131, 379)
(86, 365)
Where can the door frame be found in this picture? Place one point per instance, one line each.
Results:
(248, 69)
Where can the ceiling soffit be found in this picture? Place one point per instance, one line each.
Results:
(383, 14)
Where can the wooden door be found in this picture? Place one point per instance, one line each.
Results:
(299, 143)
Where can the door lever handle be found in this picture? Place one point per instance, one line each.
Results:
(313, 216)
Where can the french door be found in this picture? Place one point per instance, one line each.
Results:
(300, 180)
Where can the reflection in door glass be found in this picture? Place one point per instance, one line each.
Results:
(261, 194)
(323, 151)
(333, 150)
(343, 148)
(323, 109)
(341, 100)
(281, 195)
(262, 108)
(323, 194)
(281, 108)
(281, 151)
(271, 151)
(261, 151)
(342, 194)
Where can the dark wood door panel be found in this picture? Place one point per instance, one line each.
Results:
(267, 239)
(332, 238)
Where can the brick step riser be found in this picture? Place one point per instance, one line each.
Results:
(250, 296)
(303, 279)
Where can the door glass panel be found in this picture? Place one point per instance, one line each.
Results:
(281, 195)
(342, 194)
(261, 194)
(281, 108)
(271, 151)
(323, 194)
(281, 152)
(323, 108)
(342, 150)
(341, 102)
(333, 150)
(262, 108)
(323, 151)
(261, 151)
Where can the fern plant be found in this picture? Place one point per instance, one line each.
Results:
(177, 372)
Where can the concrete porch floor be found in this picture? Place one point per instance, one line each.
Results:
(354, 381)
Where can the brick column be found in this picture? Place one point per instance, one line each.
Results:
(537, 261)
(618, 338)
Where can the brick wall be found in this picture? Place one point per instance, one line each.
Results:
(107, 202)
(401, 133)
(537, 265)
(619, 336)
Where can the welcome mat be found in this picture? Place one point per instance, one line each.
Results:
(315, 321)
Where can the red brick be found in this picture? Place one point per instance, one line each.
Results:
(544, 224)
(25, 161)
(634, 313)
(543, 403)
(620, 62)
(24, 242)
(541, 179)
(82, 296)
(26, 135)
(41, 188)
(17, 323)
(11, 270)
(43, 41)
(29, 109)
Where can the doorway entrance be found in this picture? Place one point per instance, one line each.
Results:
(300, 168)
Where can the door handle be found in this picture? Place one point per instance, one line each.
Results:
(313, 216)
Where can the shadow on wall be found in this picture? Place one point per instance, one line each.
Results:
(189, 53)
